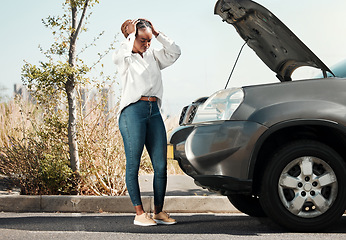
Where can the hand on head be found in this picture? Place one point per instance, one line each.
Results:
(152, 27)
(130, 26)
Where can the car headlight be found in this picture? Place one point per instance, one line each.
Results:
(220, 106)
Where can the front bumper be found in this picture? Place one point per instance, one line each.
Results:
(217, 154)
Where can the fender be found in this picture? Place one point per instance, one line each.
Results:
(290, 123)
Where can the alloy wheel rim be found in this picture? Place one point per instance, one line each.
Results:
(307, 187)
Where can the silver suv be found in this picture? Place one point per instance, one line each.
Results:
(275, 150)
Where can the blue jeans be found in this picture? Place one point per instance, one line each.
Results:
(141, 124)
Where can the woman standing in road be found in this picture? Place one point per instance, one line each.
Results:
(140, 120)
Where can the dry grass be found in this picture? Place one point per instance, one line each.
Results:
(15, 119)
(101, 151)
(102, 155)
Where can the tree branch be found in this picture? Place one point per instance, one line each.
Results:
(77, 30)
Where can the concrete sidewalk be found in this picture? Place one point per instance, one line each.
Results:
(182, 196)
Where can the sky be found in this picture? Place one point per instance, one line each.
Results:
(209, 46)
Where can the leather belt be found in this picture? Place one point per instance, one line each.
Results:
(148, 98)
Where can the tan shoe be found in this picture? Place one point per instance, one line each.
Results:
(164, 218)
(144, 220)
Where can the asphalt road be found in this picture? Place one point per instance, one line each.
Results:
(119, 226)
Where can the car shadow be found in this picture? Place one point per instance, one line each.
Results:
(187, 224)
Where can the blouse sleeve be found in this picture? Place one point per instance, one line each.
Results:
(122, 56)
(168, 54)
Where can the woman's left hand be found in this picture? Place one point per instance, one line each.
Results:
(156, 33)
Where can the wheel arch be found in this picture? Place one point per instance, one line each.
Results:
(325, 131)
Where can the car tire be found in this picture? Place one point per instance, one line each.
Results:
(247, 204)
(304, 186)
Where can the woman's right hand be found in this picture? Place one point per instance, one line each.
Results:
(131, 27)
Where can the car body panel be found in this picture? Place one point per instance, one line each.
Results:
(270, 104)
(289, 124)
(219, 148)
(275, 44)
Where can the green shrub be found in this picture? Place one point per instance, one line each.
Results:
(34, 150)
(28, 163)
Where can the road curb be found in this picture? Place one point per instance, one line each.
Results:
(113, 204)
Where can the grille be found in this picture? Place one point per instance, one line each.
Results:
(182, 115)
(191, 113)
(187, 114)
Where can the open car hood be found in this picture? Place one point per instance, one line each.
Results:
(278, 47)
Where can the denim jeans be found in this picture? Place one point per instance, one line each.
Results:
(141, 124)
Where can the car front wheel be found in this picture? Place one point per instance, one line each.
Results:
(303, 188)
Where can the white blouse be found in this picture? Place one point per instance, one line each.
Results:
(142, 76)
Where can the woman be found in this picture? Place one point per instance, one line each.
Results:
(140, 121)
